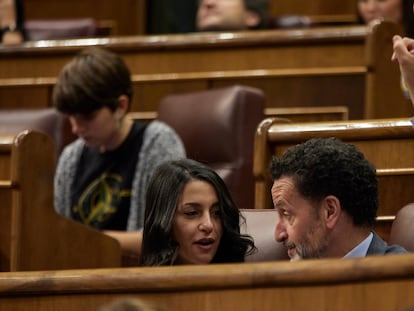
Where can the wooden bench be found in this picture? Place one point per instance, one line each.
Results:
(32, 235)
(387, 143)
(380, 283)
(348, 65)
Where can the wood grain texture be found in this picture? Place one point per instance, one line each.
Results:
(312, 285)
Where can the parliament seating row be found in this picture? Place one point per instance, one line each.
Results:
(329, 66)
(34, 237)
(130, 16)
(387, 143)
(208, 137)
(379, 283)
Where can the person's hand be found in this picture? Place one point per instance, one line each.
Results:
(12, 38)
(404, 55)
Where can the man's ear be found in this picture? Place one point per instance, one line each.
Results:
(251, 19)
(331, 210)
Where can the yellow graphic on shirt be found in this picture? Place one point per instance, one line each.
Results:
(100, 199)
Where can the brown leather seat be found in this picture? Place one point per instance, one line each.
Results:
(217, 128)
(46, 120)
(402, 230)
(260, 225)
(61, 29)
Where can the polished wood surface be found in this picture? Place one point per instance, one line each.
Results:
(328, 284)
(291, 114)
(295, 68)
(387, 143)
(32, 235)
(213, 51)
(309, 114)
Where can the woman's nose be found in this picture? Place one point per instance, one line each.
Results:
(206, 224)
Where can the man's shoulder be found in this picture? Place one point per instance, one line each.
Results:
(379, 247)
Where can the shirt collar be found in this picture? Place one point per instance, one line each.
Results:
(361, 249)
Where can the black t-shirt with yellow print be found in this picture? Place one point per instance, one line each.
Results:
(101, 192)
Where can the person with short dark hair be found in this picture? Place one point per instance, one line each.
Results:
(229, 15)
(326, 194)
(190, 218)
(101, 178)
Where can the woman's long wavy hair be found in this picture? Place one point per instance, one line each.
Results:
(163, 194)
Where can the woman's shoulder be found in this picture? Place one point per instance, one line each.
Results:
(159, 130)
(157, 126)
(163, 136)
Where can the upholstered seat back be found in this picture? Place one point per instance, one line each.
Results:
(60, 29)
(402, 230)
(260, 225)
(217, 127)
(46, 120)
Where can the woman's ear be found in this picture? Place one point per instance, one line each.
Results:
(332, 210)
(251, 19)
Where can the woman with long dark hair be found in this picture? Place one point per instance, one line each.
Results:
(190, 218)
(396, 11)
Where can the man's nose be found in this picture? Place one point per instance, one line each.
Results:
(280, 232)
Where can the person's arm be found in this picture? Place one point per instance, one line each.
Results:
(404, 55)
(130, 241)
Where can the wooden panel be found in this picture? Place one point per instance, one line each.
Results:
(294, 114)
(346, 66)
(5, 225)
(32, 235)
(309, 114)
(207, 52)
(324, 284)
(315, 7)
(316, 88)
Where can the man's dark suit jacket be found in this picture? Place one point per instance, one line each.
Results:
(379, 247)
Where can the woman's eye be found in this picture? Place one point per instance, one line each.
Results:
(216, 212)
(191, 213)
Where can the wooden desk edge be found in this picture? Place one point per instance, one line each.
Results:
(220, 276)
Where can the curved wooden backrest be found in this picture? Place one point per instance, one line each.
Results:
(32, 235)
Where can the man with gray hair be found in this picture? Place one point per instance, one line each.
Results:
(229, 15)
